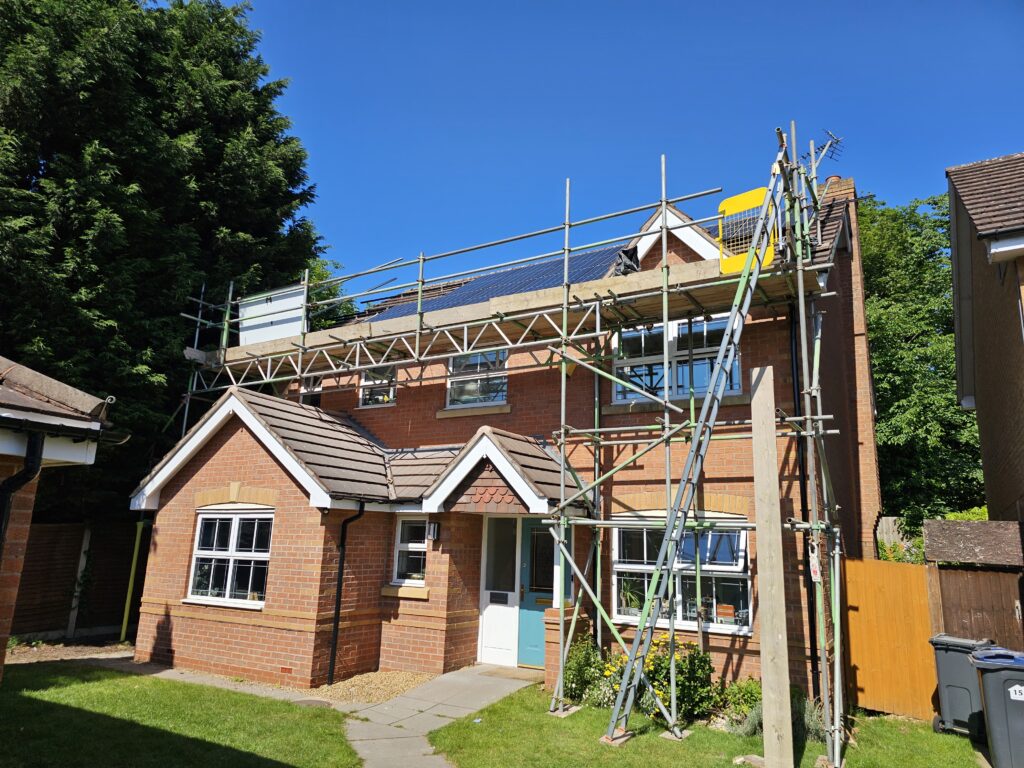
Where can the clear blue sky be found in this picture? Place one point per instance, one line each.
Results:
(433, 125)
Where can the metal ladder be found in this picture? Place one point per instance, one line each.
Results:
(770, 218)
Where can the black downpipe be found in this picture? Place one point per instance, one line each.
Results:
(812, 621)
(11, 485)
(342, 542)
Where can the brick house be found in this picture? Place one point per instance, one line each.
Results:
(43, 423)
(986, 209)
(430, 483)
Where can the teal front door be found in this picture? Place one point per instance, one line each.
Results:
(536, 578)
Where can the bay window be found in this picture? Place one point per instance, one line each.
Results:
(724, 577)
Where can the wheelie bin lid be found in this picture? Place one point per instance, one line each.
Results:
(998, 658)
(944, 641)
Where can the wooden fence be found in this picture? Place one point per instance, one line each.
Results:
(890, 665)
(981, 603)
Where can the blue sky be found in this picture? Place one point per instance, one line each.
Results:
(432, 126)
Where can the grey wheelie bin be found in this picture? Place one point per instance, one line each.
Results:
(960, 708)
(1001, 673)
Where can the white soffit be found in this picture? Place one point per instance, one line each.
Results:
(1003, 249)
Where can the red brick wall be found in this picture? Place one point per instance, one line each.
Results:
(48, 578)
(14, 550)
(273, 645)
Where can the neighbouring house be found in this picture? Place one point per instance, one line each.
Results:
(43, 423)
(986, 211)
(393, 517)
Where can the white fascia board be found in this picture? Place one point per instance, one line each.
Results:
(704, 247)
(10, 412)
(485, 449)
(1003, 249)
(148, 496)
(57, 451)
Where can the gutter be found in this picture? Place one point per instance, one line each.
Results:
(99, 435)
(11, 485)
(342, 544)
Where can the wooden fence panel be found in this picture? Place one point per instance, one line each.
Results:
(890, 666)
(980, 603)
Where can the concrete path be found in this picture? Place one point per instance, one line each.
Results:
(394, 733)
(384, 735)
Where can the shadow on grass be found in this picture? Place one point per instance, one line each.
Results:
(36, 730)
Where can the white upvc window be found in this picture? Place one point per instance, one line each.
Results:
(231, 557)
(377, 386)
(410, 560)
(724, 577)
(479, 378)
(640, 359)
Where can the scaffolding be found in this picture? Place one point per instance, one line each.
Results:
(568, 327)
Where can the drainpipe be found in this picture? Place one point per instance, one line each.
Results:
(812, 624)
(342, 541)
(11, 485)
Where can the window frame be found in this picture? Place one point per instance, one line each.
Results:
(499, 372)
(409, 547)
(232, 554)
(677, 333)
(739, 571)
(367, 383)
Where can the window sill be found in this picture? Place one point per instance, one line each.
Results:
(691, 626)
(452, 412)
(392, 404)
(215, 602)
(649, 406)
(405, 591)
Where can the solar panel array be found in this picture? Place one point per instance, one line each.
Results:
(590, 265)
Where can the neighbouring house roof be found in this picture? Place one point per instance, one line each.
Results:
(335, 460)
(72, 420)
(30, 392)
(992, 191)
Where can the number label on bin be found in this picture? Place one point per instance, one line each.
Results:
(1017, 692)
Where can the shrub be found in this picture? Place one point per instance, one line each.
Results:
(739, 698)
(808, 718)
(974, 513)
(583, 669)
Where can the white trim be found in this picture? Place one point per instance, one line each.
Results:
(148, 497)
(704, 248)
(485, 448)
(57, 451)
(1003, 249)
(223, 602)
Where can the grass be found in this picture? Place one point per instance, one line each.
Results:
(60, 714)
(518, 731)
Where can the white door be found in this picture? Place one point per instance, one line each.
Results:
(499, 592)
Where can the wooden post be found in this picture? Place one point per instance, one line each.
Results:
(778, 721)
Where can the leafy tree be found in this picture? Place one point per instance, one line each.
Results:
(928, 450)
(141, 156)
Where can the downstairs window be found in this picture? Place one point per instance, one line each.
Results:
(231, 556)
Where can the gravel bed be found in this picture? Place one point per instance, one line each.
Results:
(372, 687)
(25, 653)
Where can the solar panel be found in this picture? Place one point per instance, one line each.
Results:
(590, 265)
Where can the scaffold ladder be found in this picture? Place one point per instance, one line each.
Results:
(768, 224)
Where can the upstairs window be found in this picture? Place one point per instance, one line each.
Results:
(377, 386)
(640, 360)
(231, 557)
(479, 378)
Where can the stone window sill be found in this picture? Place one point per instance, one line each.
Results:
(245, 605)
(649, 406)
(406, 592)
(477, 410)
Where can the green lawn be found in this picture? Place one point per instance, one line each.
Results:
(60, 714)
(518, 731)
